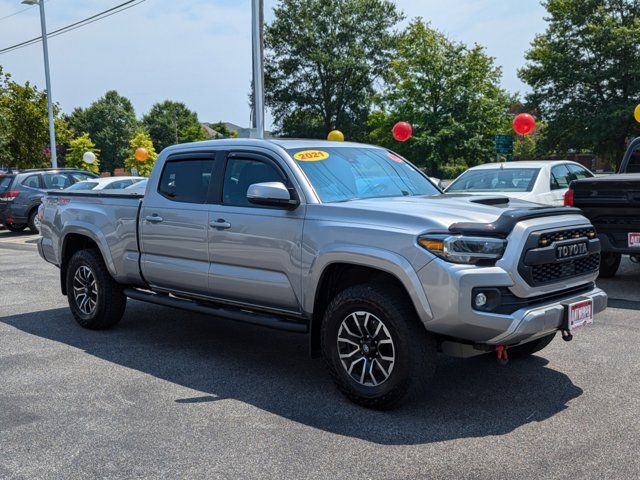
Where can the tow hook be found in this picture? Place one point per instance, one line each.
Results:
(566, 335)
(501, 353)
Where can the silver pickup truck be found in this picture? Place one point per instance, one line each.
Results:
(347, 243)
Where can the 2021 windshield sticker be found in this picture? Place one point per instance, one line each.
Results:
(311, 156)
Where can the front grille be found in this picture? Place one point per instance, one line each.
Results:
(539, 264)
(547, 239)
(551, 272)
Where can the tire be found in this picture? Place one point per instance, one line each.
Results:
(609, 264)
(15, 227)
(104, 302)
(528, 349)
(33, 222)
(413, 349)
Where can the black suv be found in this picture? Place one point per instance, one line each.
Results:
(21, 193)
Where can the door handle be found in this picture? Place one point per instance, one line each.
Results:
(153, 218)
(220, 224)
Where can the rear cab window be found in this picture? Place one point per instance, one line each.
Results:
(187, 180)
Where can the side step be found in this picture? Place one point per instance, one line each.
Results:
(265, 320)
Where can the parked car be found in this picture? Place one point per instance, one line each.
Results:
(22, 191)
(612, 203)
(105, 183)
(345, 242)
(544, 181)
(138, 187)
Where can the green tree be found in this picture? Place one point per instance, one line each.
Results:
(584, 71)
(322, 61)
(25, 125)
(223, 130)
(449, 92)
(170, 122)
(141, 140)
(110, 121)
(76, 150)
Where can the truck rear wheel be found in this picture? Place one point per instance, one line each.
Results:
(609, 264)
(377, 351)
(96, 300)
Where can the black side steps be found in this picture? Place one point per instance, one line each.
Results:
(264, 320)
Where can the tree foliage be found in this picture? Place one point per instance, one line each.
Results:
(322, 59)
(141, 140)
(169, 123)
(76, 150)
(222, 130)
(449, 92)
(584, 71)
(24, 128)
(110, 121)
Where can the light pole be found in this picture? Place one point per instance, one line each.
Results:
(45, 49)
(258, 75)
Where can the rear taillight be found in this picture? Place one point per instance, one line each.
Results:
(568, 198)
(9, 196)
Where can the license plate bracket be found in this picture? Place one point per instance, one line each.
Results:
(578, 314)
(634, 240)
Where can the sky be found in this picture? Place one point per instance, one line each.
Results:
(199, 51)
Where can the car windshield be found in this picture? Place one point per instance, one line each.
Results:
(496, 180)
(339, 174)
(82, 186)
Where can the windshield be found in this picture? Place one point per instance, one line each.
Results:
(339, 174)
(496, 180)
(82, 186)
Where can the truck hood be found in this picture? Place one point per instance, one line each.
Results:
(430, 212)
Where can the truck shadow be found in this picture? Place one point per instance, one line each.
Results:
(272, 371)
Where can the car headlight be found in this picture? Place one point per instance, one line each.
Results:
(461, 249)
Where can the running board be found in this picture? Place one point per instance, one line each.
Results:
(264, 320)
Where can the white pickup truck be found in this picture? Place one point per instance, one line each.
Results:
(347, 243)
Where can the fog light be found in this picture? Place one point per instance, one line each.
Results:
(481, 300)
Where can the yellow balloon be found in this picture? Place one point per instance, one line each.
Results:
(335, 136)
(636, 113)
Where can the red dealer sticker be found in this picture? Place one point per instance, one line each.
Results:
(395, 158)
(634, 240)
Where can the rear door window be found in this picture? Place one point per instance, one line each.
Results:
(186, 180)
(32, 181)
(578, 173)
(560, 177)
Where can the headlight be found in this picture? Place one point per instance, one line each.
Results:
(461, 249)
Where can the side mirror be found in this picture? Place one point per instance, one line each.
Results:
(271, 194)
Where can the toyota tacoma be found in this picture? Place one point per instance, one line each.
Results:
(347, 243)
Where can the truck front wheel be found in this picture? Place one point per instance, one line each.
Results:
(96, 300)
(609, 264)
(377, 351)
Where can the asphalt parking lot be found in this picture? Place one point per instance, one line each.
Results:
(172, 394)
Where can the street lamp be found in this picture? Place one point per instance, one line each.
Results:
(257, 20)
(45, 49)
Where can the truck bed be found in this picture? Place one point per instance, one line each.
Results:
(109, 218)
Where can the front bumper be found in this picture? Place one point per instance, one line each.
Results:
(449, 289)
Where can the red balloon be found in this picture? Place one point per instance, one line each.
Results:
(524, 124)
(402, 131)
